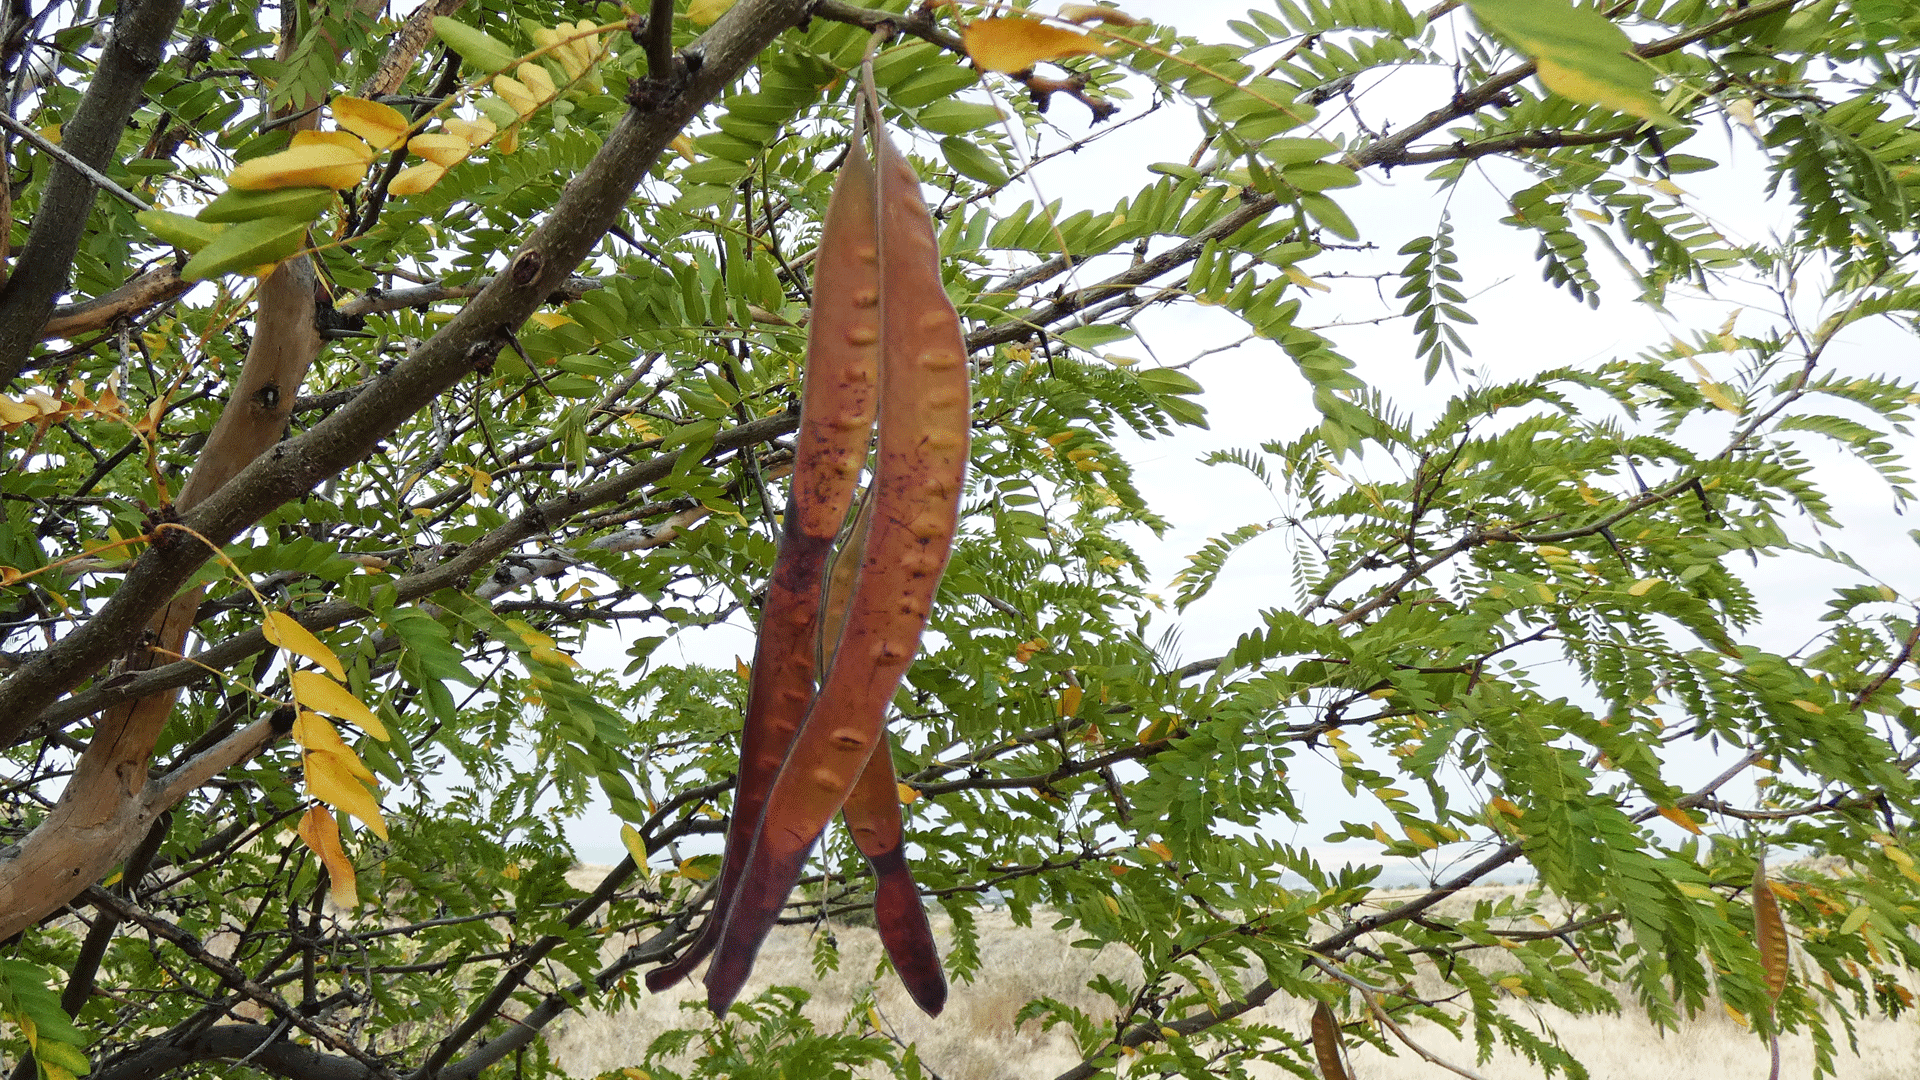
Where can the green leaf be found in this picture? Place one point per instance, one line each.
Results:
(1580, 54)
(957, 117)
(482, 51)
(969, 160)
(1167, 381)
(245, 246)
(1095, 335)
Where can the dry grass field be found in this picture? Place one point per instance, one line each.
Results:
(975, 1039)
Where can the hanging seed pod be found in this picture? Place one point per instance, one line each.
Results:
(1769, 932)
(872, 814)
(916, 491)
(838, 398)
(1326, 1043)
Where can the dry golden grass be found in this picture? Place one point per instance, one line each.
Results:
(975, 1039)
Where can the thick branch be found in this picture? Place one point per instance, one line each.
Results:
(262, 1045)
(99, 824)
(590, 203)
(148, 291)
(93, 136)
(454, 572)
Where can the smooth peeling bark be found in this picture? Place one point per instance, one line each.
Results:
(107, 806)
(838, 396)
(916, 491)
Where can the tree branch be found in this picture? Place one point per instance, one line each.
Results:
(453, 573)
(591, 202)
(132, 54)
(232, 976)
(143, 293)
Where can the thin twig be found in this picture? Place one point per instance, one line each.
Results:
(54, 149)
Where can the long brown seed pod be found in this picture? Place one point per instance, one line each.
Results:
(920, 469)
(1326, 1043)
(838, 399)
(872, 814)
(1769, 932)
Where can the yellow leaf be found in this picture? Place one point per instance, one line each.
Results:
(314, 165)
(707, 12)
(1420, 837)
(908, 793)
(1024, 652)
(1299, 277)
(1015, 43)
(692, 871)
(1069, 703)
(321, 694)
(1741, 111)
(584, 48)
(1591, 215)
(550, 319)
(281, 629)
(330, 781)
(415, 179)
(1514, 985)
(515, 93)
(539, 82)
(1643, 586)
(383, 126)
(630, 839)
(683, 145)
(1713, 392)
(1681, 818)
(1112, 904)
(1668, 187)
(315, 732)
(1737, 1016)
(322, 834)
(1808, 706)
(1163, 851)
(345, 140)
(441, 148)
(1505, 806)
(1086, 13)
(476, 132)
(547, 654)
(1545, 591)
(742, 669)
